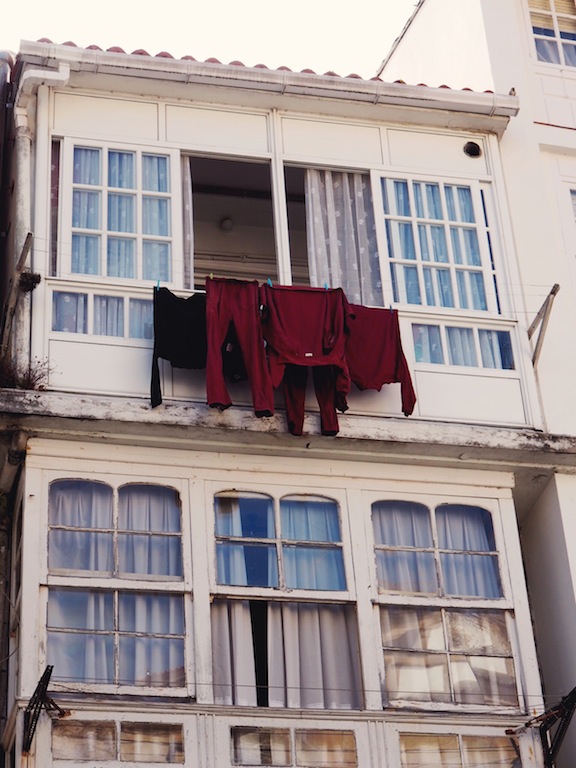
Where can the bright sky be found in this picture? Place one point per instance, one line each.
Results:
(344, 36)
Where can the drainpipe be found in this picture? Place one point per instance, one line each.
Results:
(24, 121)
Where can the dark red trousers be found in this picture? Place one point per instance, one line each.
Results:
(236, 302)
(294, 383)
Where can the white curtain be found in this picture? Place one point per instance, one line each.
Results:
(69, 312)
(427, 750)
(341, 235)
(312, 658)
(404, 524)
(427, 343)
(233, 668)
(187, 221)
(155, 512)
(86, 506)
(496, 349)
(467, 530)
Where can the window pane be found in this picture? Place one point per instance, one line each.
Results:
(464, 527)
(404, 523)
(427, 343)
(121, 213)
(155, 173)
(461, 348)
(313, 568)
(478, 632)
(86, 254)
(153, 661)
(156, 261)
(85, 209)
(261, 746)
(80, 550)
(141, 319)
(246, 515)
(309, 519)
(80, 609)
(83, 740)
(81, 657)
(146, 507)
(498, 751)
(246, 565)
(121, 170)
(496, 349)
(121, 257)
(484, 680)
(108, 316)
(471, 575)
(425, 751)
(80, 503)
(150, 555)
(86, 166)
(417, 676)
(324, 749)
(155, 216)
(151, 613)
(418, 629)
(151, 743)
(407, 571)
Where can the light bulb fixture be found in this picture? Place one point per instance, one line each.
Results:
(226, 224)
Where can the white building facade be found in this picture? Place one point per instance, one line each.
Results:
(209, 589)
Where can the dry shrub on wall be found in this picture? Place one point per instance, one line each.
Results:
(31, 376)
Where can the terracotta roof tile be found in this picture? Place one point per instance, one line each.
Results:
(236, 63)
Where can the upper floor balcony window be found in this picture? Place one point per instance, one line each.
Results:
(554, 27)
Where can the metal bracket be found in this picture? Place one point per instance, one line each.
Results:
(39, 700)
(542, 317)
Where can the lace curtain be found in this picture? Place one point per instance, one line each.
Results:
(342, 251)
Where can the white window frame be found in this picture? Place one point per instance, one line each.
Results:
(64, 266)
(505, 603)
(554, 17)
(84, 580)
(490, 263)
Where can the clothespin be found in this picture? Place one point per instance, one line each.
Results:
(270, 282)
(211, 275)
(325, 286)
(157, 285)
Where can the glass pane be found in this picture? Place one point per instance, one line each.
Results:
(151, 613)
(151, 743)
(418, 629)
(156, 261)
(439, 247)
(461, 348)
(83, 740)
(121, 170)
(408, 288)
(433, 201)
(141, 319)
(471, 247)
(401, 523)
(155, 216)
(80, 503)
(465, 205)
(149, 508)
(547, 50)
(121, 213)
(121, 257)
(402, 198)
(150, 555)
(86, 209)
(483, 680)
(324, 749)
(261, 746)
(153, 661)
(248, 515)
(81, 657)
(313, 568)
(427, 750)
(405, 237)
(478, 632)
(80, 551)
(496, 349)
(309, 519)
(427, 344)
(417, 676)
(498, 751)
(81, 609)
(69, 312)
(155, 173)
(465, 527)
(86, 166)
(470, 575)
(403, 571)
(86, 254)
(108, 316)
(253, 565)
